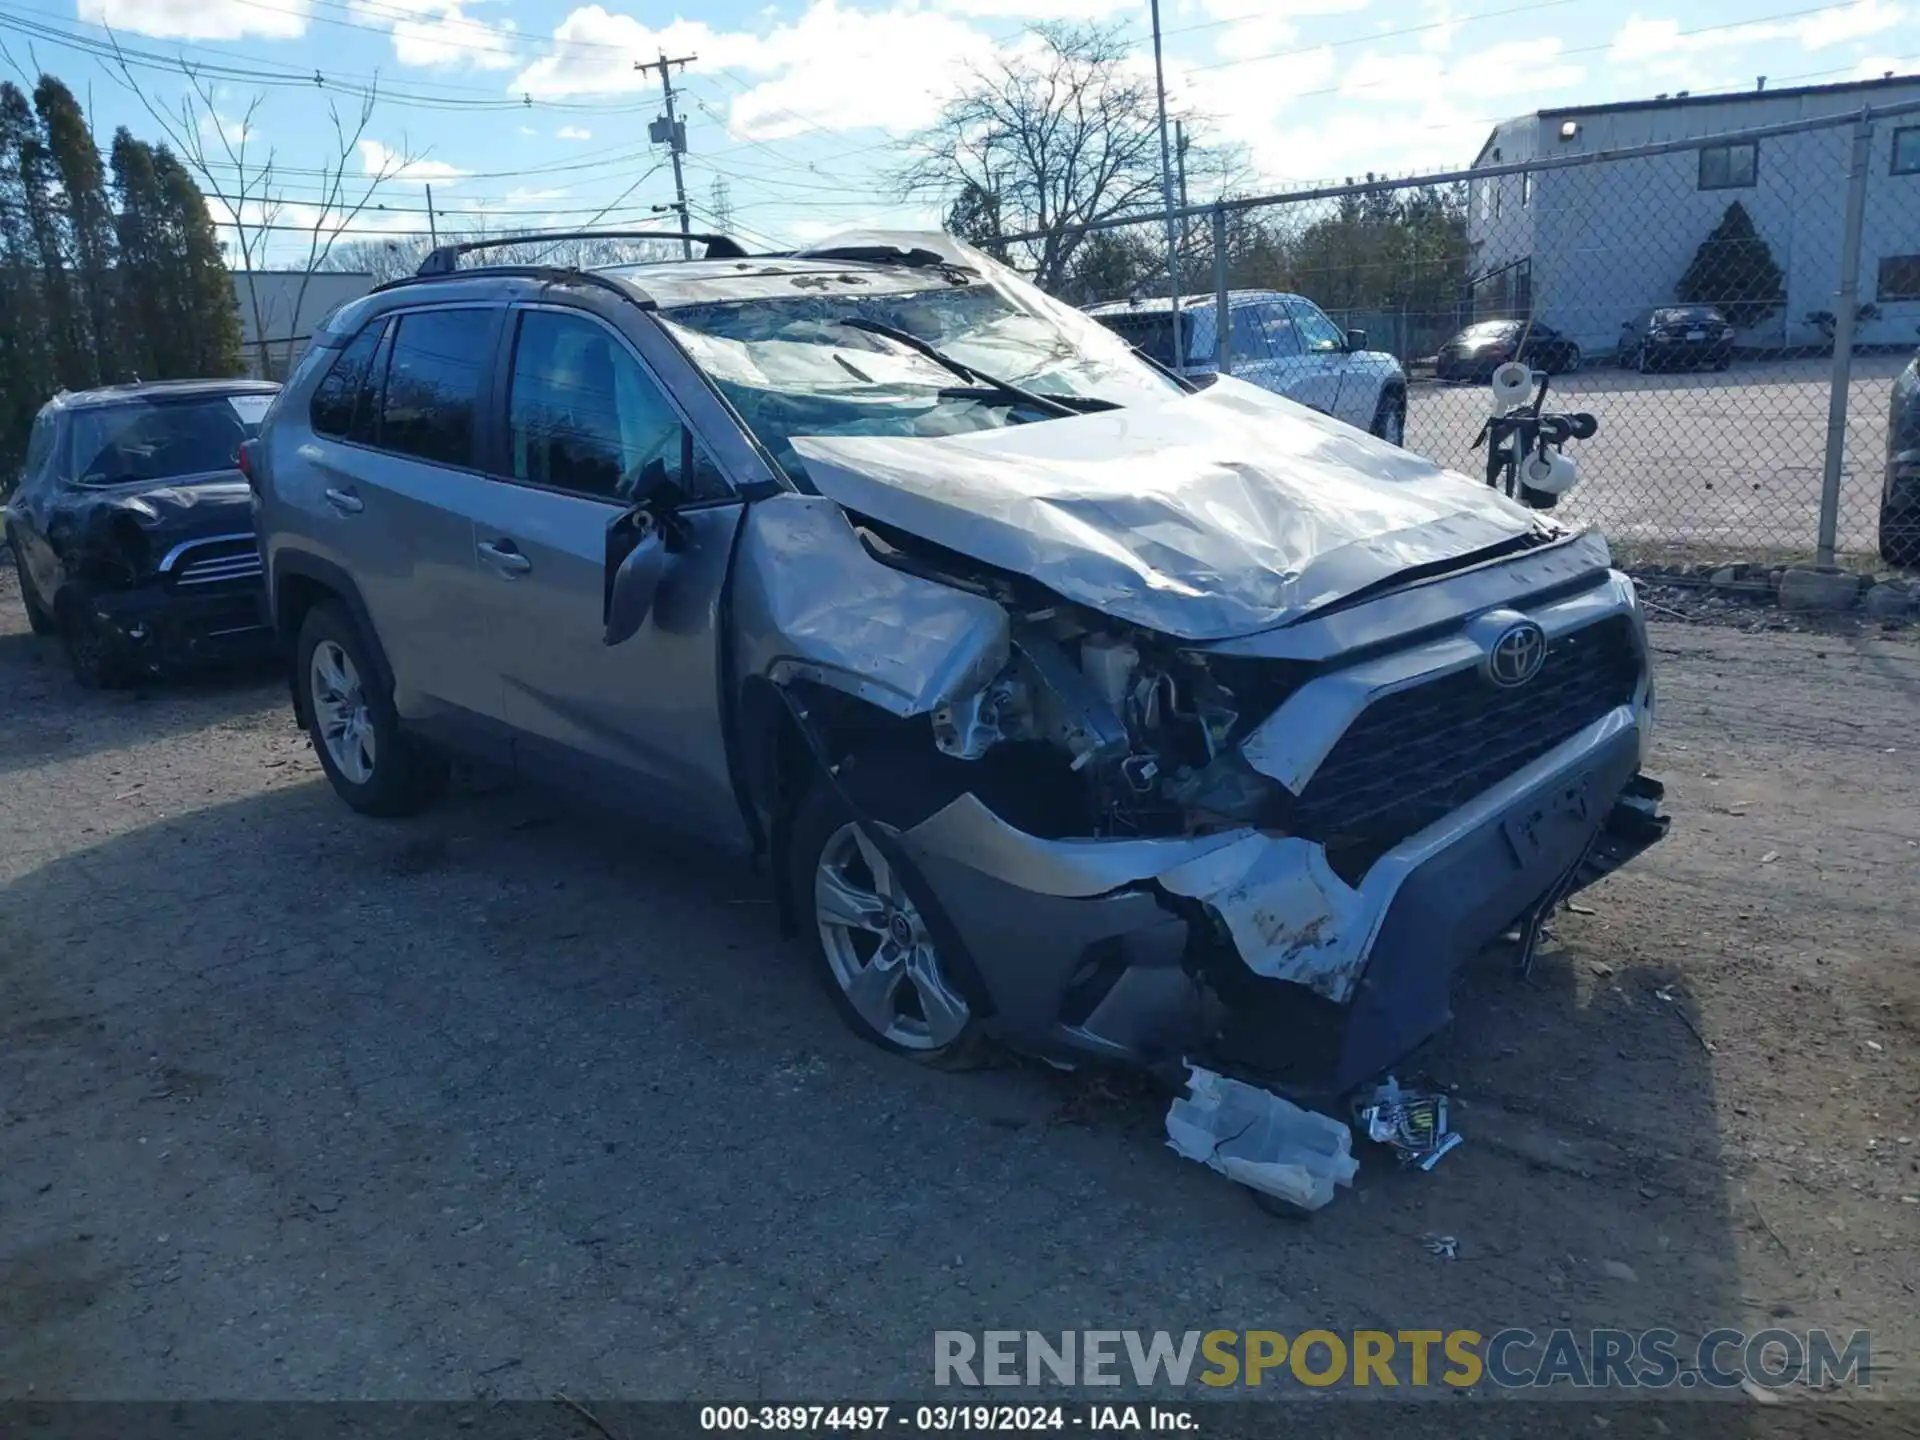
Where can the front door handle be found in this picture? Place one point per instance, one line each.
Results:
(504, 556)
(345, 501)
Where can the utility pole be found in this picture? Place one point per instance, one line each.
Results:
(1166, 192)
(669, 129)
(1180, 171)
(433, 230)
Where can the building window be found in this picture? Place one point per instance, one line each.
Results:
(1899, 278)
(1905, 156)
(1729, 167)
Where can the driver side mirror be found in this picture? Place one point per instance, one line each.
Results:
(1356, 340)
(639, 544)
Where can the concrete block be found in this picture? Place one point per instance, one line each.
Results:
(1803, 589)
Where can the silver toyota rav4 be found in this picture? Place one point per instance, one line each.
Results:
(1071, 706)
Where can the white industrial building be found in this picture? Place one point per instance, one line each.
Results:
(280, 309)
(1587, 247)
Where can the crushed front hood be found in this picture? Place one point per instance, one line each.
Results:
(1215, 514)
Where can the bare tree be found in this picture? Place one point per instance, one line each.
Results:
(248, 188)
(1059, 133)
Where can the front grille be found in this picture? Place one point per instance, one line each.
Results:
(223, 561)
(1414, 756)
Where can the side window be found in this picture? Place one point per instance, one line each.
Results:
(432, 394)
(1319, 334)
(584, 415)
(1265, 332)
(39, 446)
(343, 405)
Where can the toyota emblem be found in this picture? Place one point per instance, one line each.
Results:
(1517, 655)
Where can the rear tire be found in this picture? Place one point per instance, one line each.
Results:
(39, 618)
(1900, 528)
(371, 763)
(1390, 417)
(1571, 364)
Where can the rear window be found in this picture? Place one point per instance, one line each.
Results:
(149, 440)
(1152, 334)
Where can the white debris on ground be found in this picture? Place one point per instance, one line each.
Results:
(1266, 1143)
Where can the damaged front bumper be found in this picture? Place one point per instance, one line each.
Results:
(156, 630)
(1246, 949)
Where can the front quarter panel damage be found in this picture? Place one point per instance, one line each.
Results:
(812, 604)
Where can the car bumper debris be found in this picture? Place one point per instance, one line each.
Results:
(1260, 1140)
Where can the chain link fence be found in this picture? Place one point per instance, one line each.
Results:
(1732, 307)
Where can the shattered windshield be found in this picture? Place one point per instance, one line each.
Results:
(792, 366)
(147, 440)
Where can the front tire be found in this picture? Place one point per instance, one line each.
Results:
(1390, 417)
(1570, 363)
(869, 942)
(372, 765)
(93, 654)
(39, 618)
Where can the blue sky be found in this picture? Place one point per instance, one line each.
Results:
(531, 111)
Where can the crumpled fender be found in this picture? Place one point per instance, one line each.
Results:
(813, 604)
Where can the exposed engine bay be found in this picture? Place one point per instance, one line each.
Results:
(1126, 732)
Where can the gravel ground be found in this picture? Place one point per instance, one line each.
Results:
(1725, 459)
(506, 1100)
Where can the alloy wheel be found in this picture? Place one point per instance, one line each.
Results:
(340, 707)
(878, 949)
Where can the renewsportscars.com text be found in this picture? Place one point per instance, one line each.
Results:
(1513, 1358)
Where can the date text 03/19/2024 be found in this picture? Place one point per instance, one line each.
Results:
(940, 1419)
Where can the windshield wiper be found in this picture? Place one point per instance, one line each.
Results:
(1048, 404)
(988, 394)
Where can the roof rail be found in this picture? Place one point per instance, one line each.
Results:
(445, 259)
(548, 274)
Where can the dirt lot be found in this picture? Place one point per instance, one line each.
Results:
(1724, 459)
(505, 1101)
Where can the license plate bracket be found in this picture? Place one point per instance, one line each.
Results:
(1530, 828)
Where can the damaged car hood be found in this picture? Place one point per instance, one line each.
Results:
(1212, 515)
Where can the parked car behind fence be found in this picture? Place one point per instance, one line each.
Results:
(1280, 342)
(1676, 337)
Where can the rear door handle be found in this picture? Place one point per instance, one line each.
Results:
(345, 501)
(505, 557)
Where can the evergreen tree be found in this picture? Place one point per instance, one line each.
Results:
(39, 190)
(86, 220)
(26, 363)
(210, 310)
(1734, 270)
(150, 310)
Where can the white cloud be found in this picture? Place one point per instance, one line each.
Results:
(232, 130)
(528, 130)
(1873, 67)
(1660, 45)
(522, 197)
(572, 132)
(834, 68)
(379, 159)
(1246, 31)
(199, 19)
(440, 34)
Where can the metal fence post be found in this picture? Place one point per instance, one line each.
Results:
(1222, 350)
(1846, 309)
